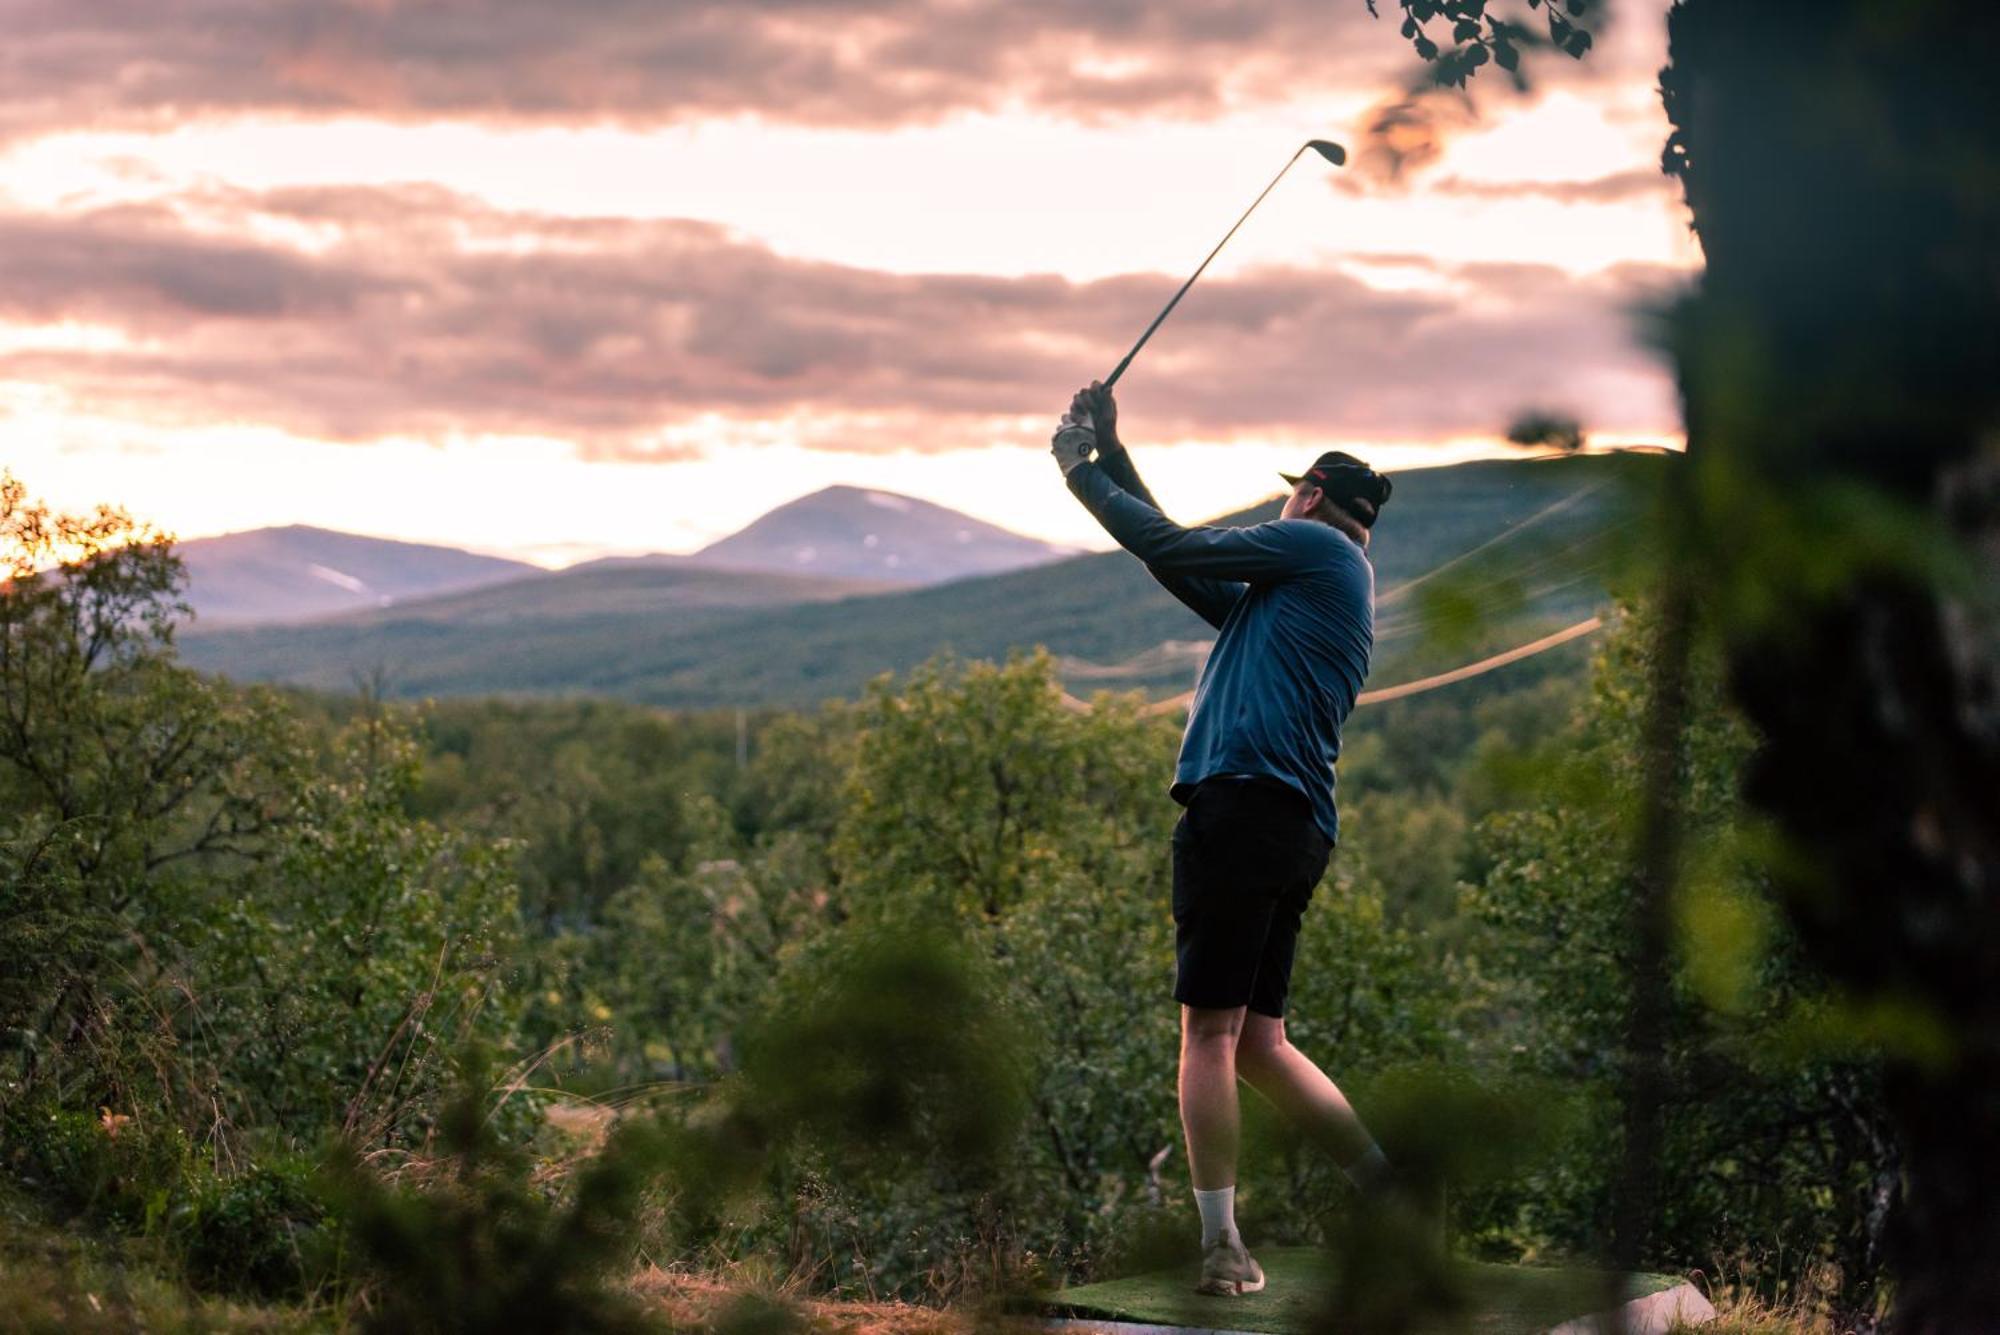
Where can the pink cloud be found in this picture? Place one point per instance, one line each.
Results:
(1618, 186)
(823, 62)
(430, 314)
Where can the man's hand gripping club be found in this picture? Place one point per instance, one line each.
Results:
(1091, 423)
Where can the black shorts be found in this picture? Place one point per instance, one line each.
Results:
(1247, 856)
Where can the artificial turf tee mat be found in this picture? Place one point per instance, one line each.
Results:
(1503, 1299)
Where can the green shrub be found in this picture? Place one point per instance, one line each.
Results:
(473, 1241)
(264, 1233)
(96, 1168)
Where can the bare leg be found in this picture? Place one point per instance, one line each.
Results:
(1209, 1112)
(1299, 1090)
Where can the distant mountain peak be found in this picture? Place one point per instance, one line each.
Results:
(868, 533)
(297, 572)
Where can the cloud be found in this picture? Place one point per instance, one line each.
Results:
(871, 63)
(411, 311)
(138, 267)
(1611, 189)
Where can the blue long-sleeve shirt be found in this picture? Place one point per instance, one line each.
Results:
(1294, 602)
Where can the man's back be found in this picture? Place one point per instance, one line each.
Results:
(1285, 671)
(1293, 600)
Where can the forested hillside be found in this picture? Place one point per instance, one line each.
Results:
(1507, 547)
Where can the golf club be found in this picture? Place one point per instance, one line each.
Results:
(1326, 148)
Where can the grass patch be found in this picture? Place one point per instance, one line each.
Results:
(1505, 1299)
(71, 1280)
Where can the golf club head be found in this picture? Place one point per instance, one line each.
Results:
(1329, 150)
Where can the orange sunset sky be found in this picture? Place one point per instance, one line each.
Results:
(554, 280)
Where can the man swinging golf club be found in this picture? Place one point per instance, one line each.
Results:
(1293, 602)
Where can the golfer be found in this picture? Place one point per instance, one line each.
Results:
(1294, 602)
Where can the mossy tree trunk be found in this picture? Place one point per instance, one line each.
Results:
(1841, 367)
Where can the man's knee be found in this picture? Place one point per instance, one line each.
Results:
(1261, 1043)
(1206, 1025)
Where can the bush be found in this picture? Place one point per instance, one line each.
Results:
(263, 1233)
(98, 1168)
(474, 1242)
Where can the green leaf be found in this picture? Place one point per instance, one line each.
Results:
(1578, 43)
(1506, 57)
(1426, 48)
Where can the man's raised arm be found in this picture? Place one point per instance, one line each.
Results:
(1209, 599)
(1262, 553)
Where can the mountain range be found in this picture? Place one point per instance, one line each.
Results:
(1517, 542)
(853, 538)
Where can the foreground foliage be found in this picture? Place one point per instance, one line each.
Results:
(878, 1006)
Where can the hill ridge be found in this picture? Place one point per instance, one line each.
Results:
(1101, 608)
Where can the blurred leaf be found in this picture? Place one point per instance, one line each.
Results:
(1724, 936)
(1540, 427)
(890, 1047)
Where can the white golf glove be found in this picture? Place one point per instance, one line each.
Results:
(1073, 443)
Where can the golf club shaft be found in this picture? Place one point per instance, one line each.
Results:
(1112, 379)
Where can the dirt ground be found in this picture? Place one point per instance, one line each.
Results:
(691, 1301)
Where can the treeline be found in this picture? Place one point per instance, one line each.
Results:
(335, 1002)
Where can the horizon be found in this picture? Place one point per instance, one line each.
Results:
(1065, 550)
(540, 304)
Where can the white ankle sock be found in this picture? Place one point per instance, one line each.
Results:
(1368, 1170)
(1218, 1214)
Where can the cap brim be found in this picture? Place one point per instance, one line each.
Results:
(1290, 481)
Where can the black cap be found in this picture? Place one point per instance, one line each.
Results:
(1359, 489)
